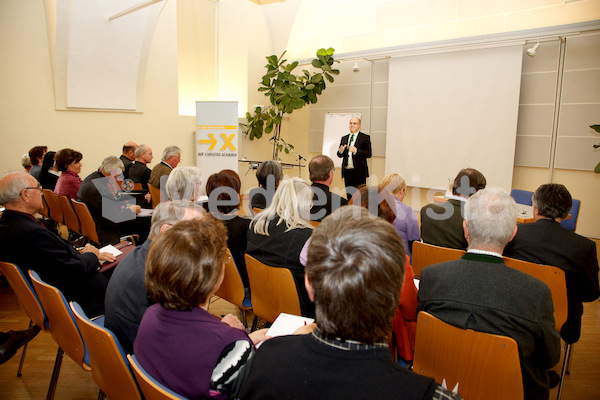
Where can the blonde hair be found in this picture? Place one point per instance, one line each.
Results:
(291, 204)
(394, 183)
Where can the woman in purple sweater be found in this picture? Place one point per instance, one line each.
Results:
(179, 342)
(69, 163)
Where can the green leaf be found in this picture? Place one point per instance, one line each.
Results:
(596, 128)
(321, 52)
(269, 129)
(287, 151)
(597, 169)
(329, 77)
(272, 60)
(316, 78)
(326, 67)
(310, 86)
(316, 63)
(297, 103)
(334, 71)
(330, 51)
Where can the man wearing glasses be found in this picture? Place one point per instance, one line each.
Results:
(29, 245)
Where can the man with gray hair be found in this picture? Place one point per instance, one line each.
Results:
(480, 292)
(126, 296)
(102, 187)
(29, 245)
(184, 184)
(170, 159)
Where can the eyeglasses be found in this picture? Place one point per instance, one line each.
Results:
(38, 187)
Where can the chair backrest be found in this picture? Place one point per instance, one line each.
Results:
(485, 366)
(151, 388)
(522, 196)
(425, 254)
(88, 226)
(232, 288)
(44, 211)
(28, 299)
(110, 367)
(272, 290)
(137, 186)
(69, 216)
(571, 223)
(62, 321)
(155, 194)
(315, 223)
(53, 206)
(554, 277)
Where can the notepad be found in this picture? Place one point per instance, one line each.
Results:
(111, 249)
(286, 324)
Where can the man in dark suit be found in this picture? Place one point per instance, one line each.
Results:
(355, 148)
(480, 292)
(321, 170)
(29, 245)
(442, 224)
(128, 157)
(546, 242)
(140, 173)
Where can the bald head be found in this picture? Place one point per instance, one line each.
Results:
(129, 150)
(20, 191)
(355, 124)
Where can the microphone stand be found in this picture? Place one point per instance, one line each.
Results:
(284, 144)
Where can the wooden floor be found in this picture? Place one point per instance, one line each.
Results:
(76, 384)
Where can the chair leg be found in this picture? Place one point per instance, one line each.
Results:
(254, 323)
(54, 380)
(564, 369)
(243, 317)
(101, 395)
(568, 371)
(23, 354)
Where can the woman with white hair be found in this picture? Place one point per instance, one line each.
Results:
(276, 235)
(184, 184)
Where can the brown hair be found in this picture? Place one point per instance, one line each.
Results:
(552, 200)
(319, 168)
(185, 262)
(473, 178)
(370, 197)
(226, 178)
(356, 267)
(66, 157)
(36, 153)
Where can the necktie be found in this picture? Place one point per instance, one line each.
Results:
(351, 140)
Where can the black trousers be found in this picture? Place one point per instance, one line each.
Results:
(352, 182)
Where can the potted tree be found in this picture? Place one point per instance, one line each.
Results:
(288, 92)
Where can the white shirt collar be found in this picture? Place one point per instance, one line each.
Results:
(488, 253)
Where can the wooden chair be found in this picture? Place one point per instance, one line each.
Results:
(151, 388)
(425, 254)
(88, 226)
(232, 288)
(256, 211)
(69, 216)
(272, 290)
(44, 210)
(28, 300)
(110, 367)
(483, 365)
(155, 193)
(62, 328)
(554, 277)
(315, 223)
(53, 206)
(137, 187)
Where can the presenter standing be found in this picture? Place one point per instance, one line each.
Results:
(355, 148)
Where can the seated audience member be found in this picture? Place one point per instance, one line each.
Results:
(223, 190)
(170, 159)
(29, 245)
(354, 275)
(321, 170)
(49, 174)
(480, 292)
(406, 221)
(26, 162)
(276, 235)
(184, 183)
(126, 296)
(546, 242)
(441, 224)
(179, 342)
(140, 173)
(36, 155)
(68, 162)
(128, 157)
(379, 202)
(113, 212)
(268, 175)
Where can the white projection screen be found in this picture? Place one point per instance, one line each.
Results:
(451, 111)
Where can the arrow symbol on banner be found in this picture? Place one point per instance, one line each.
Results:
(212, 141)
